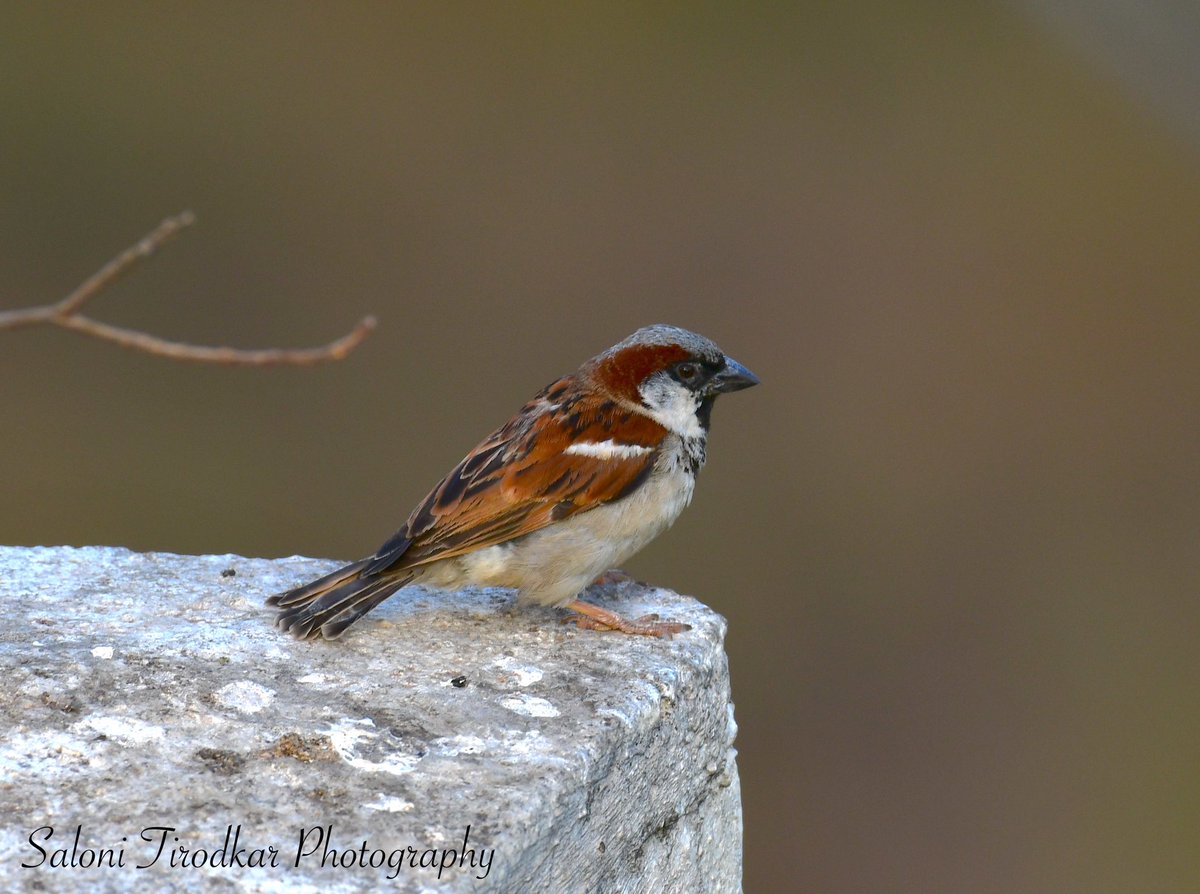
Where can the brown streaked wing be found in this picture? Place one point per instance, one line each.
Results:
(519, 480)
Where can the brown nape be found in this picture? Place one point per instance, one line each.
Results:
(593, 617)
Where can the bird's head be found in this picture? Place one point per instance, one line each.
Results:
(669, 374)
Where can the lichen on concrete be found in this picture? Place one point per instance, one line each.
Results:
(148, 691)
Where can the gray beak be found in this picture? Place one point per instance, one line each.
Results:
(734, 377)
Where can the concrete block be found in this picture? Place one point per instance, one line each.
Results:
(447, 743)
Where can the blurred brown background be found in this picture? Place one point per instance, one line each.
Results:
(955, 531)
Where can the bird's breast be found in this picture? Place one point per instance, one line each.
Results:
(554, 564)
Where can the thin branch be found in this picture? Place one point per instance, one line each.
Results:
(65, 313)
(118, 266)
(151, 344)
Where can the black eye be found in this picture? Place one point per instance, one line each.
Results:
(687, 372)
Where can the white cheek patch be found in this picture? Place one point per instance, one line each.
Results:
(671, 405)
(607, 450)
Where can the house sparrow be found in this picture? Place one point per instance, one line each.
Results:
(592, 469)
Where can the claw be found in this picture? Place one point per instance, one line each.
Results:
(593, 617)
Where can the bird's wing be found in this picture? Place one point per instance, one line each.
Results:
(563, 454)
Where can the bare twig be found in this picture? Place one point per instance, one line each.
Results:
(65, 313)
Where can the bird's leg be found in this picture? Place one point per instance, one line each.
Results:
(612, 577)
(593, 617)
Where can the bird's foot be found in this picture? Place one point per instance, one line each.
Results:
(612, 577)
(593, 617)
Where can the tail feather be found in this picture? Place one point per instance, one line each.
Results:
(362, 604)
(313, 589)
(330, 604)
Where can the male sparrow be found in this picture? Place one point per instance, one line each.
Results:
(592, 469)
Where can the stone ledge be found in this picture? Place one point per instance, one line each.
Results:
(147, 689)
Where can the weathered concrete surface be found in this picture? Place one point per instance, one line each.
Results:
(150, 690)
